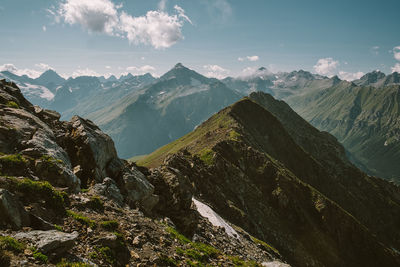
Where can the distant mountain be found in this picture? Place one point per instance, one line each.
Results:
(163, 111)
(287, 184)
(32, 90)
(378, 79)
(280, 85)
(364, 119)
(50, 79)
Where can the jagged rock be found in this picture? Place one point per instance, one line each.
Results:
(23, 132)
(90, 148)
(50, 242)
(175, 192)
(109, 189)
(138, 189)
(12, 212)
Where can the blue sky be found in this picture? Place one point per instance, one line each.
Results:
(215, 37)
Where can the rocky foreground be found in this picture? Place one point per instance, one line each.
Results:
(66, 199)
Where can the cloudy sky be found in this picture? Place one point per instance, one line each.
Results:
(215, 37)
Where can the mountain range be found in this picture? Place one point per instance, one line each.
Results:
(157, 111)
(253, 185)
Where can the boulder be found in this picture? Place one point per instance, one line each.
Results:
(24, 133)
(12, 213)
(90, 148)
(108, 189)
(138, 189)
(51, 243)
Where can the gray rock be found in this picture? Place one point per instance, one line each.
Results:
(49, 242)
(139, 189)
(11, 211)
(89, 147)
(27, 134)
(108, 189)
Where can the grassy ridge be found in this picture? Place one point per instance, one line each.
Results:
(215, 129)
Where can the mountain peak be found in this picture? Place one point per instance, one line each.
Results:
(50, 76)
(179, 66)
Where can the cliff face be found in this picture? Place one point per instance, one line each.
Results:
(66, 197)
(304, 198)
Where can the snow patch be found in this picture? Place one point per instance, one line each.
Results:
(274, 264)
(214, 218)
(36, 90)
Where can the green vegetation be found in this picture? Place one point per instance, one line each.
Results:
(265, 245)
(13, 158)
(176, 235)
(239, 262)
(165, 260)
(137, 158)
(105, 253)
(84, 190)
(50, 160)
(39, 256)
(207, 156)
(96, 203)
(198, 252)
(109, 225)
(39, 190)
(58, 227)
(208, 134)
(12, 104)
(233, 135)
(11, 244)
(82, 219)
(64, 263)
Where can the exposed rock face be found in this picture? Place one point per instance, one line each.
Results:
(12, 212)
(257, 172)
(50, 242)
(67, 154)
(89, 148)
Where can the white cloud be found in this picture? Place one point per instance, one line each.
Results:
(13, 69)
(44, 28)
(43, 66)
(84, 72)
(181, 13)
(94, 15)
(141, 70)
(350, 76)
(108, 67)
(326, 66)
(375, 50)
(215, 71)
(249, 71)
(224, 8)
(249, 58)
(396, 68)
(162, 4)
(396, 52)
(156, 28)
(253, 58)
(254, 71)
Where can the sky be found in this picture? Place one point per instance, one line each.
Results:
(217, 38)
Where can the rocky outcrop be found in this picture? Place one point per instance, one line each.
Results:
(13, 214)
(50, 242)
(70, 154)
